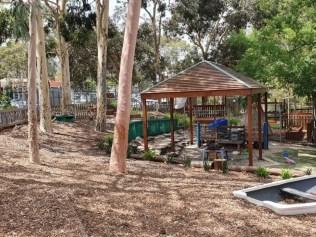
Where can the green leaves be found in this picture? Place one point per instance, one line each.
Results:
(282, 53)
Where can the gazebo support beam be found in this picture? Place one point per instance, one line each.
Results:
(191, 120)
(259, 126)
(250, 130)
(145, 124)
(266, 107)
(172, 123)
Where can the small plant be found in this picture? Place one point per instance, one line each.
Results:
(233, 121)
(4, 102)
(225, 167)
(286, 174)
(132, 149)
(187, 162)
(149, 155)
(106, 143)
(262, 172)
(170, 157)
(206, 165)
(308, 171)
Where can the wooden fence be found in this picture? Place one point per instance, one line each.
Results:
(80, 111)
(11, 117)
(16, 116)
(296, 119)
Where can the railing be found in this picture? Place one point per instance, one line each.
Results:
(296, 119)
(206, 111)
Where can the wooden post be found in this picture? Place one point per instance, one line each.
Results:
(172, 123)
(191, 120)
(266, 107)
(145, 124)
(259, 127)
(225, 106)
(250, 130)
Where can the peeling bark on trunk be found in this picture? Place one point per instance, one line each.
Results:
(31, 85)
(120, 142)
(63, 56)
(102, 35)
(65, 76)
(44, 99)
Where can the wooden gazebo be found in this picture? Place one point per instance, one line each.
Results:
(208, 79)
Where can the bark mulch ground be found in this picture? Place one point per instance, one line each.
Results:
(72, 193)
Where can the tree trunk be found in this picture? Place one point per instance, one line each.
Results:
(65, 74)
(31, 86)
(314, 117)
(63, 56)
(102, 36)
(44, 99)
(120, 142)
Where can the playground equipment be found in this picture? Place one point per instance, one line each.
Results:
(285, 155)
(287, 197)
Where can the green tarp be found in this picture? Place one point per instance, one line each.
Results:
(155, 127)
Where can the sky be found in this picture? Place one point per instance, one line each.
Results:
(112, 6)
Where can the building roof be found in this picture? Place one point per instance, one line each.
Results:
(205, 79)
(54, 84)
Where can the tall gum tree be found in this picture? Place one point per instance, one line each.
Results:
(156, 14)
(120, 141)
(44, 99)
(102, 12)
(31, 86)
(58, 9)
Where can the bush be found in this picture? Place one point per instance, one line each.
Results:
(206, 165)
(286, 174)
(4, 102)
(149, 155)
(187, 162)
(170, 157)
(132, 149)
(182, 119)
(233, 121)
(225, 167)
(308, 171)
(106, 143)
(262, 172)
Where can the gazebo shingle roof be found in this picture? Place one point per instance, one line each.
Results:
(205, 79)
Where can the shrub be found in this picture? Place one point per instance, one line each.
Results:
(262, 172)
(132, 149)
(225, 167)
(308, 171)
(4, 102)
(182, 119)
(149, 155)
(206, 165)
(106, 143)
(286, 174)
(187, 162)
(233, 121)
(170, 157)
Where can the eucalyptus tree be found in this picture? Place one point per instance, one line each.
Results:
(120, 140)
(44, 97)
(156, 11)
(58, 11)
(102, 13)
(31, 86)
(207, 23)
